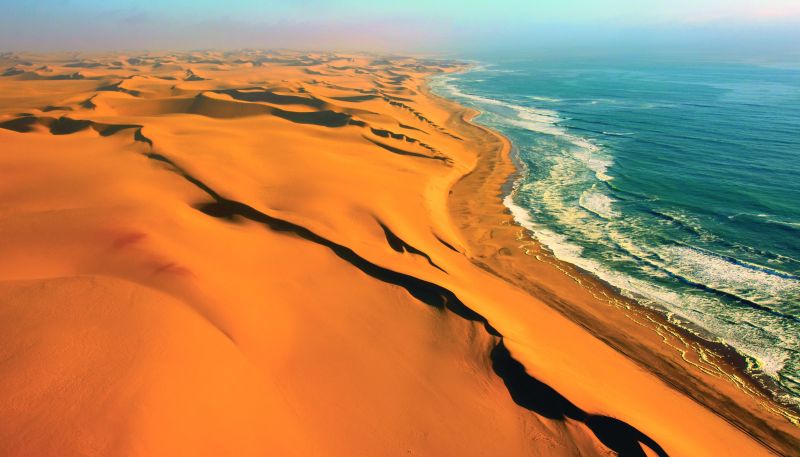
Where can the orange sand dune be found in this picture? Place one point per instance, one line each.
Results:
(259, 253)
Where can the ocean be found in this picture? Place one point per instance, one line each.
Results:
(677, 183)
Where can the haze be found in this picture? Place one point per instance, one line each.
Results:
(729, 27)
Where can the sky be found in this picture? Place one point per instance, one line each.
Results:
(736, 27)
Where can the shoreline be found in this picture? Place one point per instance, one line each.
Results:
(736, 365)
(700, 359)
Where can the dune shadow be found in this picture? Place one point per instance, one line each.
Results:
(355, 98)
(525, 390)
(536, 396)
(117, 87)
(57, 126)
(398, 245)
(12, 71)
(266, 96)
(22, 124)
(49, 108)
(66, 126)
(325, 118)
(403, 152)
(83, 64)
(401, 136)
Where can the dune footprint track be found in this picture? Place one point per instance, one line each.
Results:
(525, 390)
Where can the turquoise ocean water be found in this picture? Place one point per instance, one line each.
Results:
(677, 183)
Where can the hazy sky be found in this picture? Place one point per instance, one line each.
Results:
(733, 26)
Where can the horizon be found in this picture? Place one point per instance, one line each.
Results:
(737, 29)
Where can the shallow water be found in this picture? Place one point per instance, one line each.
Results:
(677, 183)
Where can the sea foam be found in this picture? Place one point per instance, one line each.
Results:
(768, 354)
(640, 241)
(598, 203)
(748, 281)
(542, 121)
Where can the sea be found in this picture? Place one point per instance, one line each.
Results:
(676, 182)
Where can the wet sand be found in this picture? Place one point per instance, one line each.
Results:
(714, 375)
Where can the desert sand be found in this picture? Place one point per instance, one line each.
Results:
(274, 253)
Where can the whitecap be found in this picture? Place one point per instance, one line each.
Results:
(540, 98)
(749, 281)
(768, 347)
(546, 122)
(597, 163)
(769, 342)
(598, 203)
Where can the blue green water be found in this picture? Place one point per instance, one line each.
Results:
(677, 183)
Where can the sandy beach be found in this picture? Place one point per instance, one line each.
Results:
(251, 253)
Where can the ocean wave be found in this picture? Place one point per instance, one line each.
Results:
(764, 343)
(598, 203)
(537, 120)
(768, 219)
(597, 163)
(539, 98)
(754, 283)
(768, 342)
(685, 222)
(456, 92)
(765, 287)
(657, 255)
(545, 122)
(779, 262)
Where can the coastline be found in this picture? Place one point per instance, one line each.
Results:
(714, 375)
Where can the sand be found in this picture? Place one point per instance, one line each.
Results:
(274, 253)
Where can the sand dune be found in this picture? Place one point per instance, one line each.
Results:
(259, 253)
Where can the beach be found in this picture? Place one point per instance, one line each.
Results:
(259, 252)
(712, 375)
